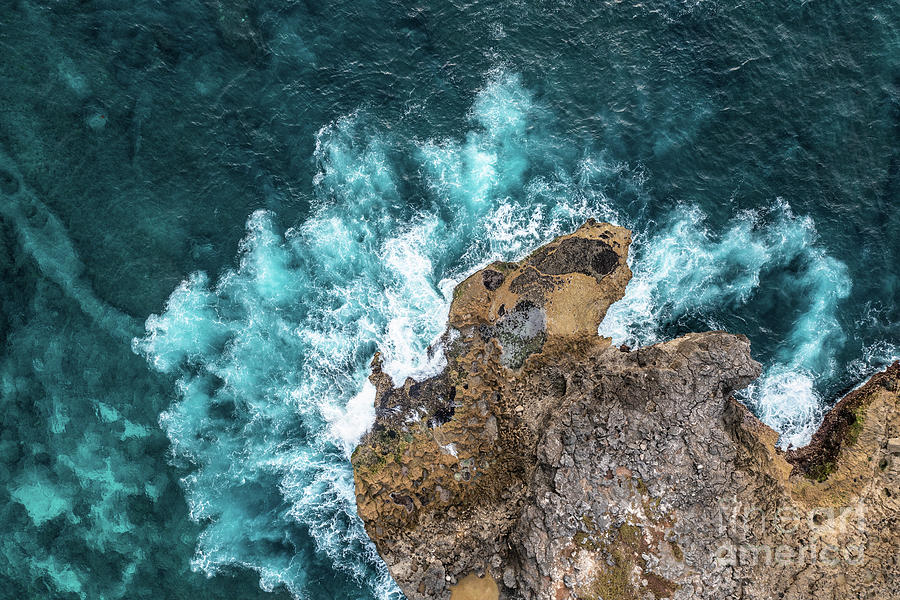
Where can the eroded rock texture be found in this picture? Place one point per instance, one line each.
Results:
(545, 464)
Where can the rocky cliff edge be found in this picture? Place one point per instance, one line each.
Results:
(543, 463)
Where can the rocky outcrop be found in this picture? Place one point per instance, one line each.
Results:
(543, 463)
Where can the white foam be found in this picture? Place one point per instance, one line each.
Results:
(350, 422)
(283, 341)
(786, 400)
(685, 270)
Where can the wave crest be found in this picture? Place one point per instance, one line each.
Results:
(767, 264)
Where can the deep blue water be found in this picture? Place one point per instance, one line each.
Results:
(212, 213)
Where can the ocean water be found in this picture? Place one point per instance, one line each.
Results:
(213, 213)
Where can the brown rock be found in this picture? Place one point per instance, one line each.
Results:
(544, 463)
(893, 446)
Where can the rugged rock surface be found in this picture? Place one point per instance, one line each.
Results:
(543, 463)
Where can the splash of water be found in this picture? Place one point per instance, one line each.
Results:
(767, 263)
(272, 357)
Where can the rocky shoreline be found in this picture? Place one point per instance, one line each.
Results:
(544, 463)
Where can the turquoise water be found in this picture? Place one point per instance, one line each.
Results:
(213, 213)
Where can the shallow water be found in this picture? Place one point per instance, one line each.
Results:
(212, 214)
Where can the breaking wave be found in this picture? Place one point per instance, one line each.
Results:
(271, 356)
(765, 267)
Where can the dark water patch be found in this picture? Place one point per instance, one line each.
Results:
(9, 184)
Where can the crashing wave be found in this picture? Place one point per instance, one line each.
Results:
(272, 356)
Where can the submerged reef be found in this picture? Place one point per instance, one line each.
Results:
(545, 463)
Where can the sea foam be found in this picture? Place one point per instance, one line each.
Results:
(766, 263)
(271, 356)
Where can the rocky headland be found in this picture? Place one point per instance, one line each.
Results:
(545, 463)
